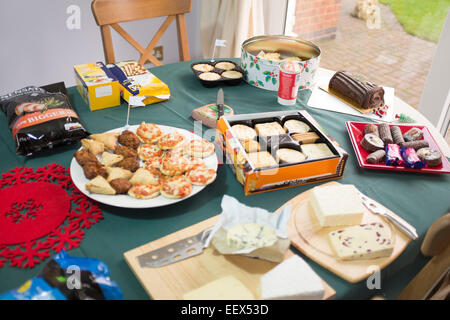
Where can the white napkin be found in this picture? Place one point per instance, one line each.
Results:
(321, 99)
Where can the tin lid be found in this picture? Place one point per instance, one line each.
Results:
(284, 45)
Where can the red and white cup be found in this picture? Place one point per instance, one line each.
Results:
(288, 82)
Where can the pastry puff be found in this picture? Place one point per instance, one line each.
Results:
(143, 176)
(109, 159)
(99, 185)
(93, 146)
(108, 139)
(115, 173)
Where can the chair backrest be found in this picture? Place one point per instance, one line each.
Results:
(109, 13)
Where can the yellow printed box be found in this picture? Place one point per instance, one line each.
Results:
(277, 150)
(98, 87)
(137, 81)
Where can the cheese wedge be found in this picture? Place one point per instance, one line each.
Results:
(336, 205)
(293, 279)
(365, 241)
(226, 288)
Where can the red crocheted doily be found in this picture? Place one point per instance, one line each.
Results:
(40, 211)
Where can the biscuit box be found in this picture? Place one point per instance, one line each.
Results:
(135, 80)
(302, 154)
(97, 85)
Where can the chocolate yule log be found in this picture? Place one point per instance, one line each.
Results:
(364, 95)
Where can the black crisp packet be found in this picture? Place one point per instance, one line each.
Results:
(41, 119)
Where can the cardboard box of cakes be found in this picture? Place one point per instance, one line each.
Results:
(97, 85)
(275, 150)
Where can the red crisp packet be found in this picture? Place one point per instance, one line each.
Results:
(411, 159)
(393, 155)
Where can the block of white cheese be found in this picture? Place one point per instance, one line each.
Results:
(292, 279)
(226, 288)
(336, 205)
(365, 241)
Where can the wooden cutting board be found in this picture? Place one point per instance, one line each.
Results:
(312, 240)
(172, 281)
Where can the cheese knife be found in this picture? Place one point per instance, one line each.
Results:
(376, 208)
(176, 251)
(220, 102)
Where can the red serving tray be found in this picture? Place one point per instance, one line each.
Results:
(356, 133)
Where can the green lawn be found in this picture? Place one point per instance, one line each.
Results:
(422, 18)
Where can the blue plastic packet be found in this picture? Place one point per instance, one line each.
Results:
(69, 278)
(411, 158)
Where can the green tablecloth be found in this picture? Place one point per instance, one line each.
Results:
(418, 198)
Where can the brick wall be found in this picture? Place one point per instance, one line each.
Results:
(316, 20)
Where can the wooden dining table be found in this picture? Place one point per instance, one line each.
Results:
(416, 197)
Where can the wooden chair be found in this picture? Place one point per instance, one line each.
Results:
(436, 244)
(109, 13)
(436, 273)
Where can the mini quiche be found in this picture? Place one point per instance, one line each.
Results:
(201, 175)
(225, 65)
(149, 132)
(171, 140)
(209, 76)
(203, 67)
(175, 187)
(144, 191)
(200, 148)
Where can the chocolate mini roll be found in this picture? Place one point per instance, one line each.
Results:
(364, 95)
(371, 142)
(397, 135)
(413, 134)
(376, 157)
(432, 157)
(385, 133)
(371, 128)
(418, 144)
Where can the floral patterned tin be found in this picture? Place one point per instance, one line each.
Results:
(263, 73)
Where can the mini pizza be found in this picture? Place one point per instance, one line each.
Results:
(147, 151)
(173, 166)
(171, 140)
(194, 162)
(153, 165)
(201, 175)
(149, 132)
(200, 148)
(144, 191)
(175, 187)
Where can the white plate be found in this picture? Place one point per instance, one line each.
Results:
(125, 201)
